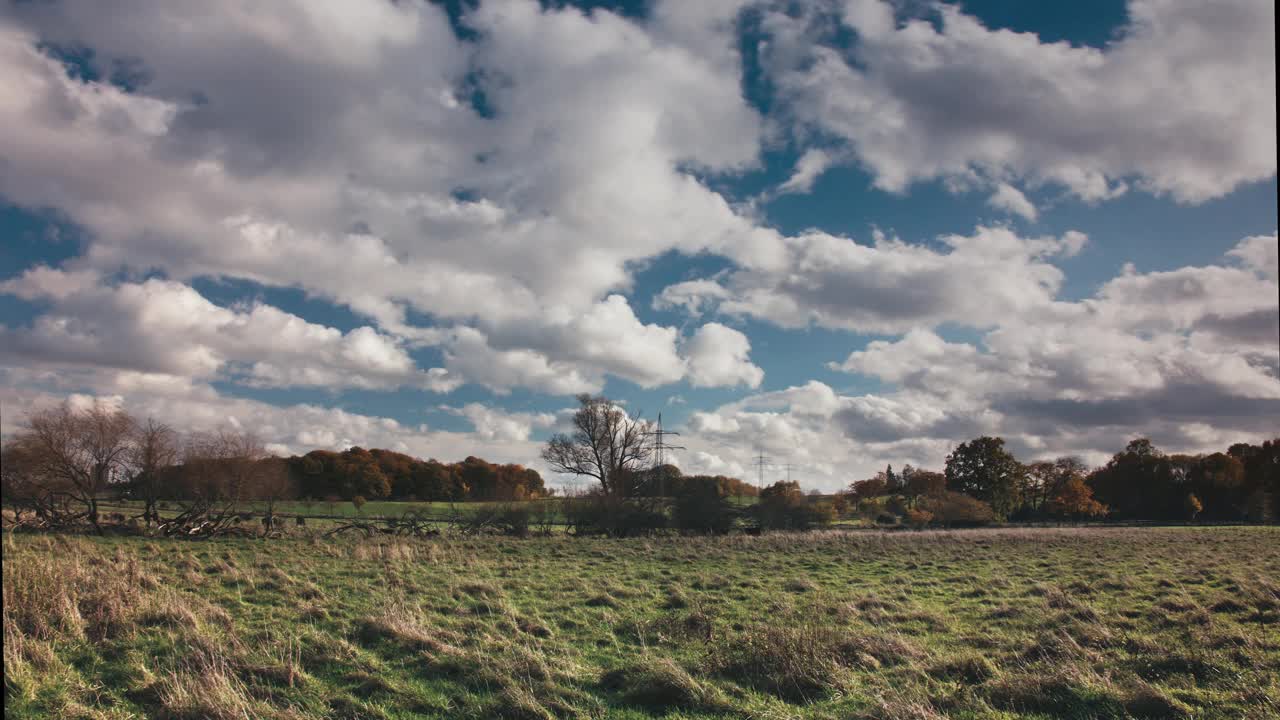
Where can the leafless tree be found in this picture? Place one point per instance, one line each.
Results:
(76, 453)
(152, 456)
(219, 471)
(605, 444)
(23, 484)
(272, 483)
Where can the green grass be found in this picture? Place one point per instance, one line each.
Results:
(1046, 623)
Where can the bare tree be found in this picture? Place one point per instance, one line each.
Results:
(605, 444)
(23, 483)
(219, 471)
(154, 452)
(78, 452)
(272, 482)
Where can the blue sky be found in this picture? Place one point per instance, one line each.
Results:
(849, 234)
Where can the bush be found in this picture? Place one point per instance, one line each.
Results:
(918, 518)
(822, 512)
(512, 520)
(897, 504)
(602, 514)
(702, 506)
(954, 509)
(783, 507)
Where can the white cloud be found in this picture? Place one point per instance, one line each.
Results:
(691, 296)
(1147, 354)
(720, 356)
(494, 424)
(161, 326)
(358, 172)
(809, 168)
(341, 172)
(1011, 200)
(299, 428)
(1181, 103)
(891, 286)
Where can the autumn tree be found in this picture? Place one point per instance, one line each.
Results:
(360, 474)
(868, 489)
(1047, 479)
(606, 444)
(1192, 505)
(1073, 498)
(918, 483)
(983, 469)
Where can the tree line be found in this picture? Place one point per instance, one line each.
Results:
(1138, 483)
(982, 482)
(67, 460)
(61, 465)
(386, 474)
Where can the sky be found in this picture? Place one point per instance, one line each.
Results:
(843, 235)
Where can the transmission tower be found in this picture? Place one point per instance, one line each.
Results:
(788, 466)
(660, 448)
(760, 462)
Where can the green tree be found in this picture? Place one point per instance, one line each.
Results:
(983, 469)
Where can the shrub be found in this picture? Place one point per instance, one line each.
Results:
(918, 518)
(783, 507)
(822, 512)
(702, 505)
(514, 520)
(954, 509)
(603, 514)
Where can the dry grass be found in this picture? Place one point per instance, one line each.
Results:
(987, 625)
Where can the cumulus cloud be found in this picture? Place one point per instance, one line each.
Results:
(809, 168)
(297, 428)
(1186, 357)
(944, 97)
(361, 172)
(1134, 356)
(495, 424)
(161, 326)
(718, 355)
(890, 286)
(1011, 200)
(492, 196)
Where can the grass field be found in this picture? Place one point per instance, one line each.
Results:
(1087, 623)
(371, 509)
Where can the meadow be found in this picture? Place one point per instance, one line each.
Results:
(999, 623)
